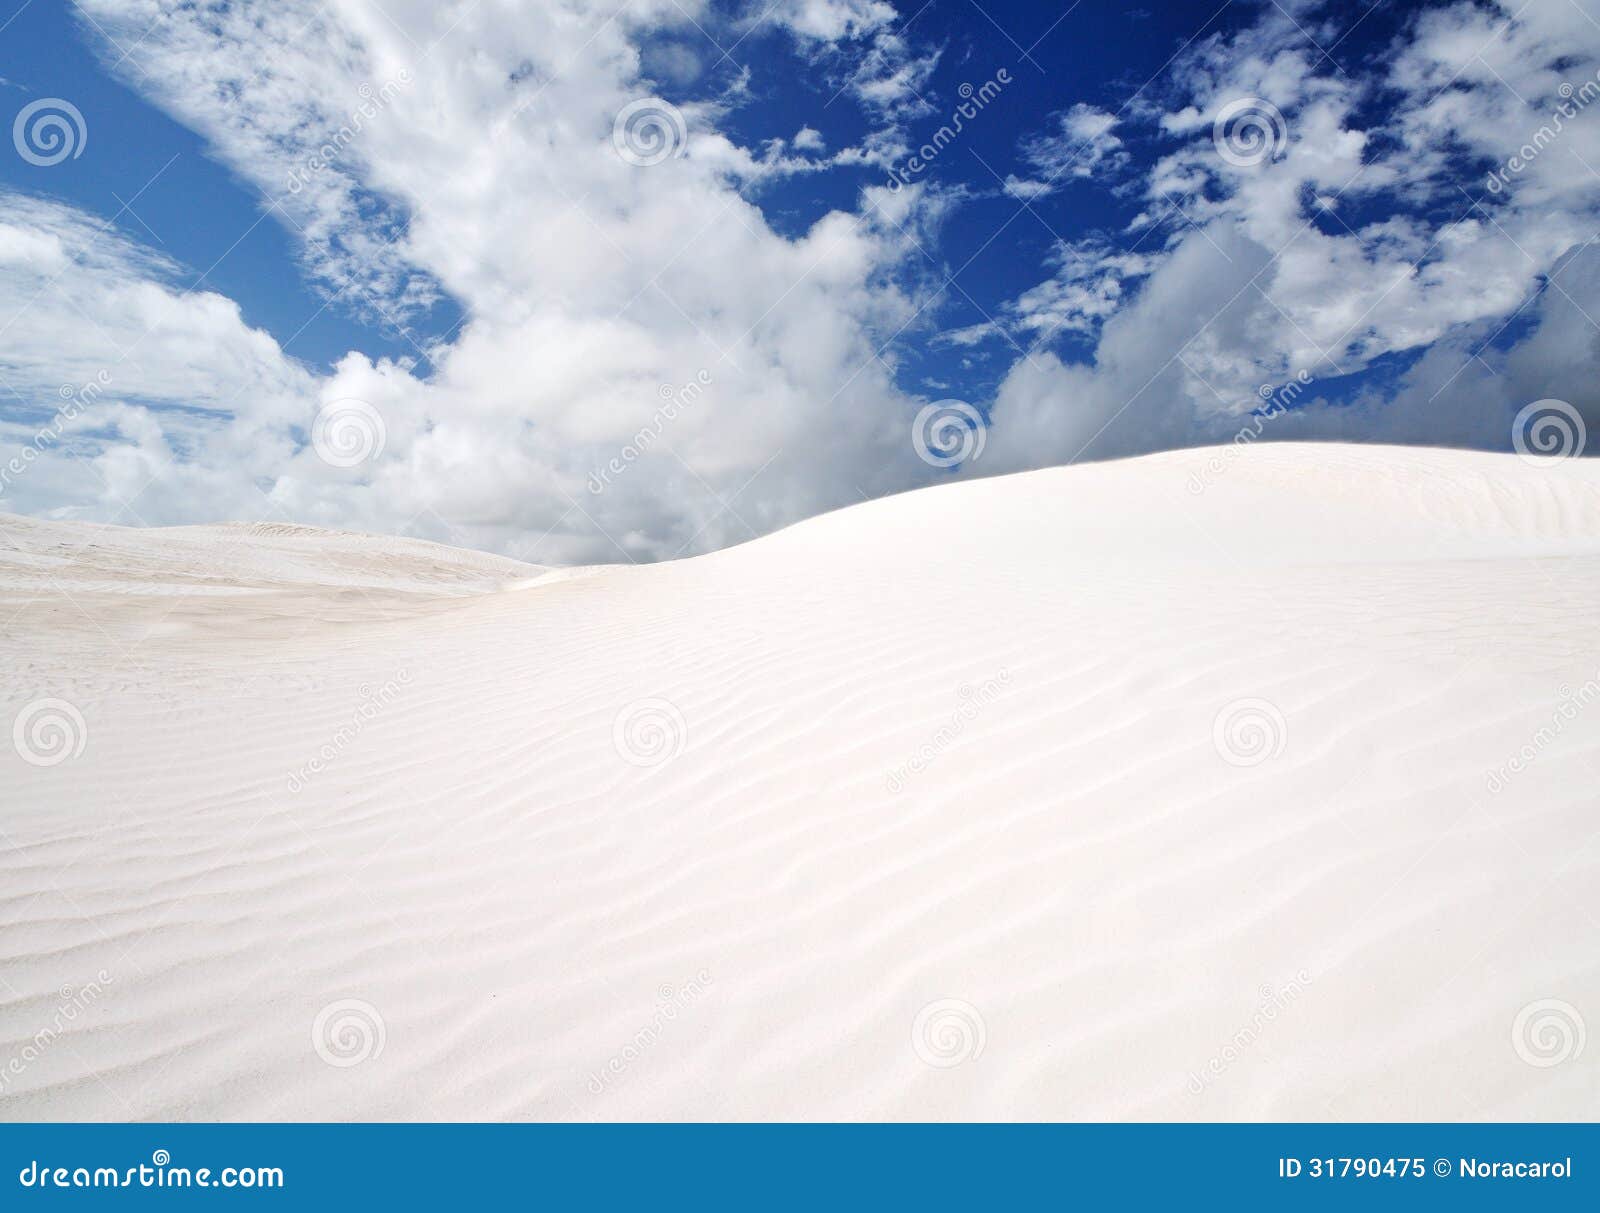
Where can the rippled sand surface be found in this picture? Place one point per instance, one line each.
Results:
(1210, 785)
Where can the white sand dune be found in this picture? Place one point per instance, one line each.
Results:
(1074, 794)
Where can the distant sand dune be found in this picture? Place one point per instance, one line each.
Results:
(1207, 785)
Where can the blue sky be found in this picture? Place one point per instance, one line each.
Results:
(152, 178)
(482, 288)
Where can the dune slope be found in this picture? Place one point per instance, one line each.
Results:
(1207, 785)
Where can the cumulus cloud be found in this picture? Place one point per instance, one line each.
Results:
(1254, 276)
(125, 387)
(428, 151)
(593, 287)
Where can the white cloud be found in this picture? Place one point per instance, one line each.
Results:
(1260, 277)
(591, 285)
(828, 20)
(1082, 145)
(1025, 189)
(81, 299)
(588, 284)
(1087, 288)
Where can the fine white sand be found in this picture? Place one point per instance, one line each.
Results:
(1074, 794)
